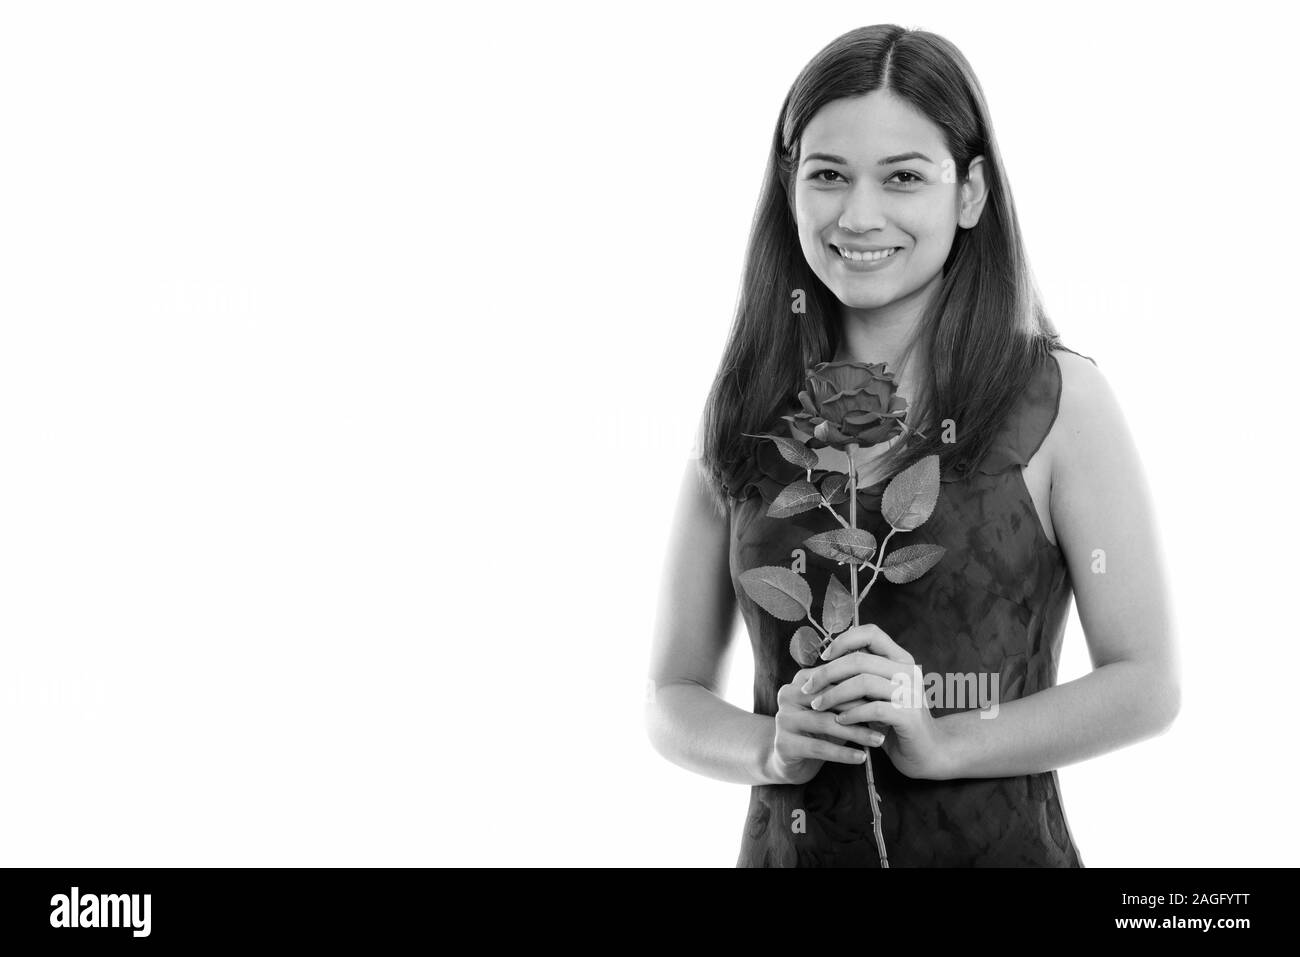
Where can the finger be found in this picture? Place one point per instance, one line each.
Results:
(792, 696)
(871, 638)
(869, 687)
(853, 663)
(882, 712)
(827, 725)
(790, 693)
(823, 726)
(825, 751)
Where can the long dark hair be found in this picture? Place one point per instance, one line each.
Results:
(985, 330)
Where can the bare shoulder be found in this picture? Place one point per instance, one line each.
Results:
(1081, 381)
(1089, 418)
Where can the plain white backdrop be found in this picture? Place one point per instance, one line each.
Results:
(351, 356)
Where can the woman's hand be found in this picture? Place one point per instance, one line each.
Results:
(881, 684)
(807, 739)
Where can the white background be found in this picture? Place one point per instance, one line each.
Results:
(351, 354)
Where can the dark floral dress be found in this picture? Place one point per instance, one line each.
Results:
(996, 603)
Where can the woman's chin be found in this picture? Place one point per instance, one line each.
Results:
(858, 298)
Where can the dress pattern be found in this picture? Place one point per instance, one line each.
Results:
(997, 603)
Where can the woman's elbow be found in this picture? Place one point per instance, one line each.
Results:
(658, 722)
(1166, 700)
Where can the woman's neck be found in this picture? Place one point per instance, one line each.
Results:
(887, 345)
(883, 334)
(870, 346)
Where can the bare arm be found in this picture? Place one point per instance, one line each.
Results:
(1103, 512)
(687, 720)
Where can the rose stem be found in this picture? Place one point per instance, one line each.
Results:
(826, 635)
(880, 555)
(853, 590)
(827, 505)
(838, 517)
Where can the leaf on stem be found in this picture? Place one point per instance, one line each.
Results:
(835, 488)
(844, 545)
(806, 646)
(911, 562)
(837, 608)
(778, 591)
(799, 496)
(910, 496)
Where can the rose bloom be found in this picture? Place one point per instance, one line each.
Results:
(848, 403)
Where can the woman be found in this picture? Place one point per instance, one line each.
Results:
(886, 233)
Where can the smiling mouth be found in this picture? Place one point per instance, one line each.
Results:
(865, 257)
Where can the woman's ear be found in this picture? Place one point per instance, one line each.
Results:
(973, 194)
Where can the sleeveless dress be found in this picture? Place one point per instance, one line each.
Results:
(996, 603)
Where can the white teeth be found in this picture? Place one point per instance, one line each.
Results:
(866, 257)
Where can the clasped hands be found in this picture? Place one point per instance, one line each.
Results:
(870, 692)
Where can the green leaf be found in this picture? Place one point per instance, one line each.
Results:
(910, 496)
(778, 591)
(837, 608)
(806, 646)
(835, 488)
(799, 496)
(844, 545)
(792, 450)
(911, 562)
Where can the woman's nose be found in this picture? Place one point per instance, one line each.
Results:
(862, 210)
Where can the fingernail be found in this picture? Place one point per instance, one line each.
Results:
(861, 757)
(876, 738)
(816, 704)
(807, 686)
(823, 655)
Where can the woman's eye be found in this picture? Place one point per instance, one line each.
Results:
(824, 172)
(912, 179)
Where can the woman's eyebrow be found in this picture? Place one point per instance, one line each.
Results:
(896, 158)
(903, 157)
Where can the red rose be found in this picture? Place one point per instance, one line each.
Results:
(848, 403)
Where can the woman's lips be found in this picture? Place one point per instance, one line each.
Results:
(865, 260)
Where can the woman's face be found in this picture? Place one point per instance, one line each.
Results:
(876, 199)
